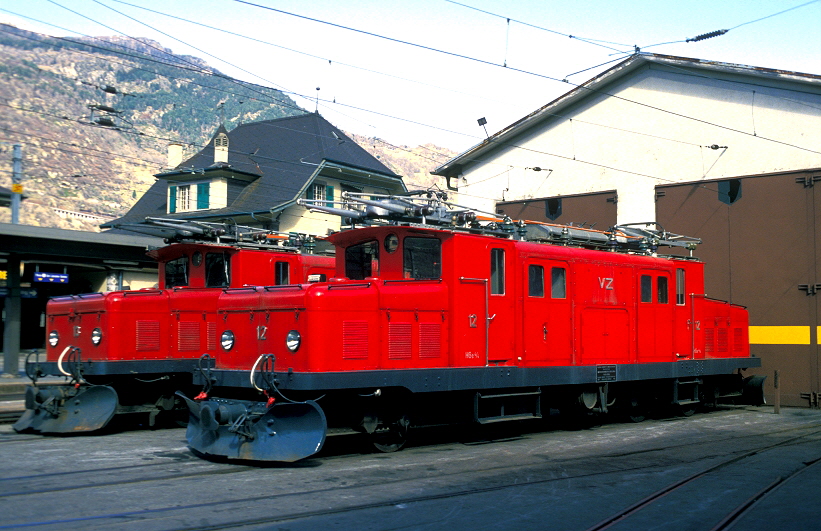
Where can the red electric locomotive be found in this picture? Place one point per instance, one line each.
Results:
(130, 351)
(434, 317)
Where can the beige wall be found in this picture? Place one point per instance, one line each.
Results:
(608, 143)
(300, 219)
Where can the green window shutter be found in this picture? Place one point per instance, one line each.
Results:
(329, 195)
(172, 199)
(203, 190)
(309, 193)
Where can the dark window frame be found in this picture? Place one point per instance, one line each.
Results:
(497, 271)
(558, 283)
(535, 280)
(421, 258)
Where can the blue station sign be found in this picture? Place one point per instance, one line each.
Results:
(57, 278)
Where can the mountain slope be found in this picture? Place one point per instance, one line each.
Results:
(95, 117)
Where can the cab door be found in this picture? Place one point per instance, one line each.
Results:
(547, 314)
(655, 316)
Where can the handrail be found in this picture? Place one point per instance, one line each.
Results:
(141, 292)
(349, 286)
(397, 281)
(283, 286)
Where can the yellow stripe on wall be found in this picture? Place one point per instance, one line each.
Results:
(780, 335)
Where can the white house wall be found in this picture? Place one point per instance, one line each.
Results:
(609, 142)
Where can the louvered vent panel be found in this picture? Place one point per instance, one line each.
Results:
(738, 340)
(148, 335)
(188, 336)
(709, 340)
(722, 344)
(430, 340)
(399, 341)
(211, 336)
(355, 340)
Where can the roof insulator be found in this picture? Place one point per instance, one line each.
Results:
(703, 36)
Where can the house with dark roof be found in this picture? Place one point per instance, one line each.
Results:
(254, 174)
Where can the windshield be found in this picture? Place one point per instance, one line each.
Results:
(217, 270)
(362, 260)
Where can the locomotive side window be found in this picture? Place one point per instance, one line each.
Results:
(282, 273)
(176, 272)
(535, 281)
(662, 291)
(497, 271)
(558, 283)
(422, 258)
(362, 260)
(646, 288)
(680, 286)
(217, 270)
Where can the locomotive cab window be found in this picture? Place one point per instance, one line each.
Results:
(535, 281)
(646, 288)
(497, 271)
(558, 283)
(422, 258)
(680, 286)
(282, 273)
(176, 272)
(662, 295)
(362, 260)
(217, 270)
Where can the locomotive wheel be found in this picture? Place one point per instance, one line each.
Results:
(393, 437)
(636, 409)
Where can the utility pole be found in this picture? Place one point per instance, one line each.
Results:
(12, 309)
(16, 183)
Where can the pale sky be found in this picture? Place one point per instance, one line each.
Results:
(410, 94)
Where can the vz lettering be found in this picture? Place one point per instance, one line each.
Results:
(605, 283)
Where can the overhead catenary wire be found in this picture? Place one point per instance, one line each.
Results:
(532, 73)
(544, 76)
(759, 137)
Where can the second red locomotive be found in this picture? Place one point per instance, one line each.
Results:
(130, 351)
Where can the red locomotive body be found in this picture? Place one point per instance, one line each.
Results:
(130, 351)
(424, 325)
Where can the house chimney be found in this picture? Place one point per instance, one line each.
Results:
(174, 155)
(221, 148)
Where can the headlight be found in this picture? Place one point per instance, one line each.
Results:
(227, 340)
(53, 338)
(293, 340)
(96, 336)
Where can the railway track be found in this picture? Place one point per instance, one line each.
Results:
(622, 518)
(355, 486)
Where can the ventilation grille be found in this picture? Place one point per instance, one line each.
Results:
(355, 340)
(148, 335)
(738, 340)
(188, 336)
(211, 336)
(430, 340)
(709, 340)
(399, 341)
(722, 340)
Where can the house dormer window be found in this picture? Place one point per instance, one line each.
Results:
(188, 197)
